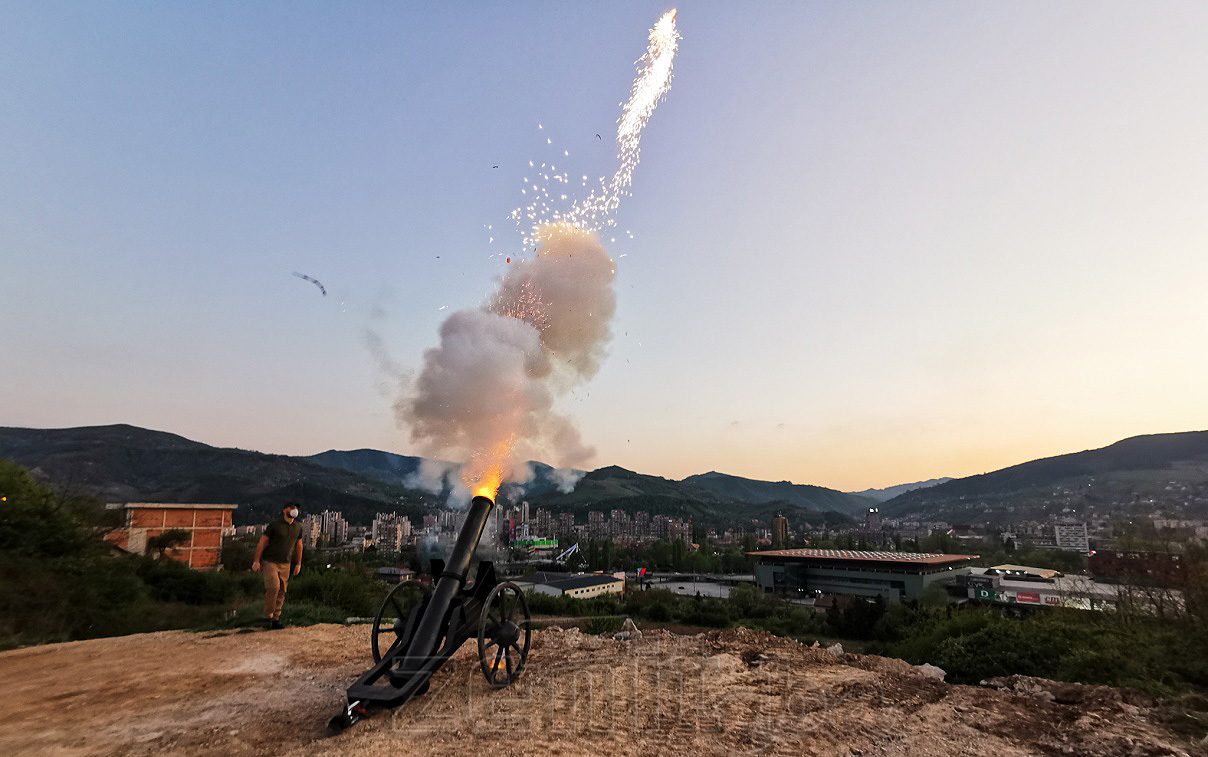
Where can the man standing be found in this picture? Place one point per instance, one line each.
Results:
(277, 549)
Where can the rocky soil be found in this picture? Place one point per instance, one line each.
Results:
(726, 692)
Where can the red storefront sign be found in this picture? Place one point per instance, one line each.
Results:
(1028, 597)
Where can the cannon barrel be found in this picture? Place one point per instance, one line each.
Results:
(429, 633)
(433, 624)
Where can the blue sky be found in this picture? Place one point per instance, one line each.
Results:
(871, 243)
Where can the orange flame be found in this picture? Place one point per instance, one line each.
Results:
(488, 485)
(486, 478)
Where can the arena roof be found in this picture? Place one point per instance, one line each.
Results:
(918, 558)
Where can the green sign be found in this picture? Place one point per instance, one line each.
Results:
(537, 543)
(986, 594)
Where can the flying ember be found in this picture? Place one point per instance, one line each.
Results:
(486, 393)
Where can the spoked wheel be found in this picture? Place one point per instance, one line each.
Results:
(398, 616)
(503, 635)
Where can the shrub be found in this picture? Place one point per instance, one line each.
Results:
(603, 625)
(80, 597)
(171, 581)
(351, 593)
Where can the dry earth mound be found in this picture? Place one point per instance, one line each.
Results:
(733, 691)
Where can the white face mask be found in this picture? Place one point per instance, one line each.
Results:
(292, 513)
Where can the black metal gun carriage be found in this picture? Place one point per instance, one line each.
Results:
(420, 628)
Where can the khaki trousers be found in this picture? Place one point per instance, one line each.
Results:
(276, 579)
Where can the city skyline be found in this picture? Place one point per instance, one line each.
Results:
(865, 246)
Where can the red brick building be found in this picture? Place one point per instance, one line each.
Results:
(205, 525)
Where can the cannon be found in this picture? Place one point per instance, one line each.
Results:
(417, 629)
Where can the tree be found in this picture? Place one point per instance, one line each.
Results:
(678, 550)
(36, 520)
(158, 546)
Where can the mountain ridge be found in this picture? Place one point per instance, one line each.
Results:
(1133, 470)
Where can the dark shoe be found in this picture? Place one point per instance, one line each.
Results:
(266, 623)
(276, 625)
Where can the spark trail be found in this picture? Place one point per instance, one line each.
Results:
(486, 393)
(596, 211)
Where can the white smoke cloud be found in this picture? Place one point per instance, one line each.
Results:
(486, 393)
(433, 476)
(566, 478)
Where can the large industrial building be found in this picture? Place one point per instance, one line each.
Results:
(582, 586)
(893, 576)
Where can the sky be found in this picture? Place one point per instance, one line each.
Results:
(866, 244)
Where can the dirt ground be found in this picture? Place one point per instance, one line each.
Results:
(726, 692)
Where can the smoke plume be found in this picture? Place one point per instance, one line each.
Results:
(486, 393)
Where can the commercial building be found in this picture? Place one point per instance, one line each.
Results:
(1017, 585)
(893, 576)
(205, 525)
(579, 587)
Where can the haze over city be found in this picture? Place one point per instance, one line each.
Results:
(865, 245)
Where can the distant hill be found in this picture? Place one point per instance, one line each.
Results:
(400, 470)
(803, 495)
(889, 492)
(384, 466)
(1157, 471)
(615, 488)
(124, 463)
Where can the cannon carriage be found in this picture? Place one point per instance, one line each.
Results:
(417, 630)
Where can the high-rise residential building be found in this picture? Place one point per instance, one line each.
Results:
(641, 524)
(595, 525)
(312, 528)
(679, 529)
(566, 524)
(390, 531)
(335, 528)
(780, 531)
(620, 527)
(659, 526)
(543, 522)
(1071, 536)
(872, 519)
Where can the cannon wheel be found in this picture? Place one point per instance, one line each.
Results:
(503, 635)
(396, 610)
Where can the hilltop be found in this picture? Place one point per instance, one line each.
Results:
(122, 463)
(614, 487)
(817, 498)
(1152, 471)
(723, 692)
(126, 463)
(889, 492)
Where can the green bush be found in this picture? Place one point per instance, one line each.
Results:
(610, 624)
(349, 592)
(37, 521)
(709, 613)
(170, 581)
(69, 598)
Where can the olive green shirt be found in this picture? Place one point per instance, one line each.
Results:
(282, 540)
